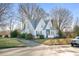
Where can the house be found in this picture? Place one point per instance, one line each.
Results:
(41, 27)
(29, 27)
(4, 30)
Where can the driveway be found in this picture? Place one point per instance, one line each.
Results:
(41, 50)
(29, 43)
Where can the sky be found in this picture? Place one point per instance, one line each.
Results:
(73, 7)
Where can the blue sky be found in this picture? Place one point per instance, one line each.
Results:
(73, 7)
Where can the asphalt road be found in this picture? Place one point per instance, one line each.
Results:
(41, 50)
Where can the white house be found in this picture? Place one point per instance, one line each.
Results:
(29, 27)
(41, 27)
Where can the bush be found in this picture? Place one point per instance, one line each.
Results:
(23, 35)
(15, 33)
(57, 41)
(76, 30)
(48, 42)
(41, 36)
(26, 36)
(70, 35)
(29, 36)
(61, 34)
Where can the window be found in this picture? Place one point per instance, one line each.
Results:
(38, 32)
(48, 31)
(77, 37)
(52, 32)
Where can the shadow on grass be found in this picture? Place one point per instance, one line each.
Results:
(12, 47)
(29, 43)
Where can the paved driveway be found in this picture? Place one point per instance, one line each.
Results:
(41, 50)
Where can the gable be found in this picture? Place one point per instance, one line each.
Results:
(29, 28)
(40, 25)
(34, 23)
(46, 22)
(49, 25)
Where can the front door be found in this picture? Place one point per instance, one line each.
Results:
(47, 33)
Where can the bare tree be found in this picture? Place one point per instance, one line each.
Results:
(62, 18)
(76, 22)
(31, 12)
(3, 10)
(12, 17)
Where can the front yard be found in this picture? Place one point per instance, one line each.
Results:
(62, 41)
(37, 48)
(13, 42)
(9, 42)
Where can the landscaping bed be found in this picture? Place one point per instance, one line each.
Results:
(9, 43)
(62, 41)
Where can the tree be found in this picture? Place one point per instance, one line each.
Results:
(61, 19)
(30, 12)
(76, 30)
(76, 27)
(3, 11)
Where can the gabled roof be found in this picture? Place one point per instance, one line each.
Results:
(4, 32)
(46, 22)
(34, 23)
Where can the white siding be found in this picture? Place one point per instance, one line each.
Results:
(49, 25)
(53, 31)
(29, 27)
(40, 25)
(44, 33)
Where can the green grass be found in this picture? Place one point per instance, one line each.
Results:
(62, 41)
(9, 42)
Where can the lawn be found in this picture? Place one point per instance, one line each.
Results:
(61, 41)
(9, 42)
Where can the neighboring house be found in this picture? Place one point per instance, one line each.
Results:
(41, 27)
(4, 30)
(68, 29)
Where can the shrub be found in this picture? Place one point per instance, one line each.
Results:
(48, 42)
(23, 35)
(41, 36)
(29, 36)
(76, 30)
(57, 42)
(60, 33)
(15, 33)
(70, 35)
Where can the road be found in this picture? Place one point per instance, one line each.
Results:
(41, 50)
